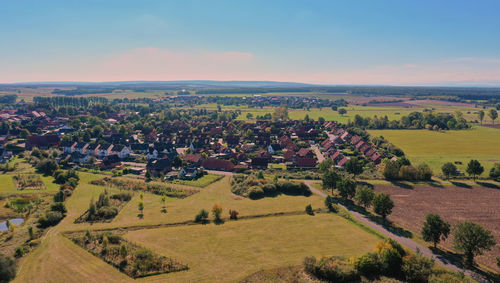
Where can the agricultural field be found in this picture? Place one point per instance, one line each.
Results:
(437, 148)
(455, 202)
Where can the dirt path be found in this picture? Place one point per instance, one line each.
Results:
(402, 240)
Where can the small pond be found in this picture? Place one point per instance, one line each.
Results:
(15, 221)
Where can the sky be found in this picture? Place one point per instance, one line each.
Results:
(390, 42)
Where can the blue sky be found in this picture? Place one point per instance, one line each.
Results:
(337, 42)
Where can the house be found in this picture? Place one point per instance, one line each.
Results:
(139, 147)
(240, 167)
(152, 153)
(68, 146)
(121, 150)
(342, 162)
(289, 155)
(305, 153)
(337, 156)
(43, 142)
(193, 159)
(189, 173)
(264, 154)
(110, 161)
(136, 170)
(272, 148)
(259, 163)
(93, 149)
(81, 147)
(159, 166)
(306, 162)
(77, 157)
(376, 158)
(217, 164)
(104, 150)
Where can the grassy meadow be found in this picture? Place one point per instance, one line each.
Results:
(224, 252)
(437, 148)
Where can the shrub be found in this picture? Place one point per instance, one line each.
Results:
(59, 196)
(123, 196)
(309, 210)
(58, 206)
(256, 193)
(417, 268)
(7, 268)
(216, 212)
(332, 269)
(201, 217)
(368, 265)
(51, 218)
(329, 203)
(19, 252)
(107, 212)
(233, 215)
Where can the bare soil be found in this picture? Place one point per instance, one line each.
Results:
(463, 202)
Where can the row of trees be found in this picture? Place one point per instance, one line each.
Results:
(474, 169)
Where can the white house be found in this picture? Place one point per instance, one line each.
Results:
(104, 150)
(121, 150)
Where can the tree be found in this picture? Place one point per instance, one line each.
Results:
(435, 229)
(217, 212)
(329, 203)
(7, 268)
(346, 188)
(354, 166)
(364, 196)
(474, 168)
(163, 208)
(47, 166)
(449, 169)
(326, 165)
(342, 111)
(148, 175)
(472, 239)
(249, 116)
(201, 217)
(495, 172)
(382, 204)
(24, 134)
(493, 114)
(480, 115)
(330, 180)
(309, 209)
(141, 207)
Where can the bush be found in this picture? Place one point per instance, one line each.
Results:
(201, 217)
(417, 268)
(331, 269)
(123, 196)
(233, 215)
(51, 218)
(58, 206)
(309, 210)
(368, 265)
(7, 268)
(107, 212)
(59, 196)
(256, 193)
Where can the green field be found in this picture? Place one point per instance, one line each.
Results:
(201, 182)
(224, 252)
(437, 148)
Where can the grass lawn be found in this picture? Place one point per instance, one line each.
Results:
(437, 148)
(202, 182)
(7, 185)
(228, 252)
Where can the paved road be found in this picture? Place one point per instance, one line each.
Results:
(402, 240)
(318, 153)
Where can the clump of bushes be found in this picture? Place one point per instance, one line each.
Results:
(51, 218)
(331, 269)
(389, 259)
(254, 188)
(129, 258)
(154, 188)
(105, 208)
(201, 217)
